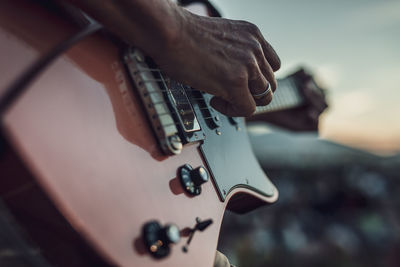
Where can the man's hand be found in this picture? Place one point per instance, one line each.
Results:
(229, 59)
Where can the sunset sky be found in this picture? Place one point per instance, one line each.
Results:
(354, 49)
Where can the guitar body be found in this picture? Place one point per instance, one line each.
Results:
(82, 132)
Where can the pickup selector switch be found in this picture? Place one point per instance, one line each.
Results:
(192, 179)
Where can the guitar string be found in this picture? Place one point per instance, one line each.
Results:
(191, 111)
(279, 98)
(177, 123)
(169, 90)
(161, 79)
(178, 112)
(278, 104)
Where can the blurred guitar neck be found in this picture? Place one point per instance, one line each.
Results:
(287, 96)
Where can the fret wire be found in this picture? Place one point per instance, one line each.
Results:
(297, 94)
(291, 95)
(281, 96)
(279, 100)
(286, 96)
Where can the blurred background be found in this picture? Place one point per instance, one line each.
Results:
(339, 189)
(353, 49)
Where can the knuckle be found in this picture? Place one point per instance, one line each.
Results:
(238, 77)
(255, 46)
(269, 99)
(258, 84)
(245, 23)
(274, 85)
(264, 101)
(249, 111)
(251, 63)
(252, 28)
(249, 27)
(277, 64)
(264, 82)
(257, 50)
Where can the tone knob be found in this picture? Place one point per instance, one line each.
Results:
(170, 234)
(199, 175)
(192, 179)
(157, 238)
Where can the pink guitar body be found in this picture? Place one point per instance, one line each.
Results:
(82, 132)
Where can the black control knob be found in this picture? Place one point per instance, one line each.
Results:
(170, 234)
(192, 179)
(157, 238)
(199, 175)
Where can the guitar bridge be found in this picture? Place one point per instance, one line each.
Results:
(166, 102)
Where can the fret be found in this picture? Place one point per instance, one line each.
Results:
(283, 94)
(298, 99)
(286, 96)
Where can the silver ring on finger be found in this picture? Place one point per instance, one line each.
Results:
(266, 92)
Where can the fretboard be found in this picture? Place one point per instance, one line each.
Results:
(286, 96)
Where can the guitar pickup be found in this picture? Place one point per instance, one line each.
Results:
(166, 102)
(183, 108)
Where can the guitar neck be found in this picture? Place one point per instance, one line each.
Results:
(285, 97)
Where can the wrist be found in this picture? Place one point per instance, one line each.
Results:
(169, 29)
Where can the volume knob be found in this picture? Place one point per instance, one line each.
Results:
(192, 179)
(199, 175)
(157, 238)
(170, 234)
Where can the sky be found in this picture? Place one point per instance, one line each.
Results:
(353, 48)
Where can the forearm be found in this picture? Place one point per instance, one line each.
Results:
(226, 58)
(151, 25)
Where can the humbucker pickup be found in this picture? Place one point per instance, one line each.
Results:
(167, 104)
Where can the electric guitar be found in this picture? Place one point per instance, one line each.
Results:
(137, 164)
